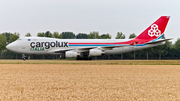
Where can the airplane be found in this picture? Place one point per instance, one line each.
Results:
(85, 49)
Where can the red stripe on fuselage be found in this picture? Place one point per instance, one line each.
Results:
(140, 41)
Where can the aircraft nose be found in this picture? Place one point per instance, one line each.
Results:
(11, 46)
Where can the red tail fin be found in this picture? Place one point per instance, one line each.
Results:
(156, 29)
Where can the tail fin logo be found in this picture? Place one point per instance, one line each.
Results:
(154, 31)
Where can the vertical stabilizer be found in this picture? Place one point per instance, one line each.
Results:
(155, 30)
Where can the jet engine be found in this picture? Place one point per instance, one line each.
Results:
(71, 54)
(95, 52)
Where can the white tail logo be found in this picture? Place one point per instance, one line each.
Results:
(154, 31)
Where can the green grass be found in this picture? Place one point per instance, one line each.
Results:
(95, 62)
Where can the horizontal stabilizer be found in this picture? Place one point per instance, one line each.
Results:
(158, 41)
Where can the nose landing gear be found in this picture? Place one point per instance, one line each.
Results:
(24, 57)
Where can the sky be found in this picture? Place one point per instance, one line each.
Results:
(85, 16)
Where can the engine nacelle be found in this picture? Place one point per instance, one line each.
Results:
(95, 52)
(71, 54)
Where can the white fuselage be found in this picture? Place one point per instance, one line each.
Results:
(42, 45)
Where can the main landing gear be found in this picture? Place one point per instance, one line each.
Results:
(24, 57)
(84, 58)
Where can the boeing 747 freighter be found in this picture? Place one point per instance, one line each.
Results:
(86, 48)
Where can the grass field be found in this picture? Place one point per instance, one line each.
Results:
(88, 81)
(95, 62)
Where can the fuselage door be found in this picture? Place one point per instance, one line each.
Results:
(28, 45)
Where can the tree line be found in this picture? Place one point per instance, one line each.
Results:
(166, 51)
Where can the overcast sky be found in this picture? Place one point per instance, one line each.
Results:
(84, 16)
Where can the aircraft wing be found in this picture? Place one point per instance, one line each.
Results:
(85, 49)
(60, 50)
(102, 47)
(111, 47)
(158, 41)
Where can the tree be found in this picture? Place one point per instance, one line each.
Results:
(147, 50)
(133, 35)
(177, 44)
(93, 35)
(3, 41)
(120, 35)
(7, 34)
(81, 36)
(167, 48)
(60, 36)
(176, 48)
(57, 35)
(48, 34)
(28, 35)
(41, 34)
(105, 36)
(14, 37)
(160, 49)
(68, 35)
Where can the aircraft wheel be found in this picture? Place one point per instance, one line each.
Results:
(79, 58)
(24, 58)
(85, 58)
(89, 58)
